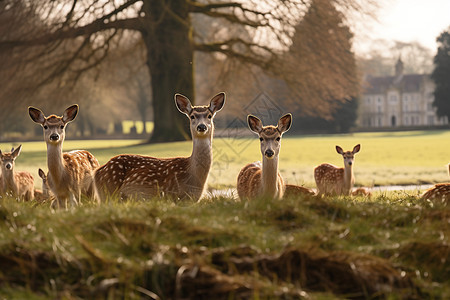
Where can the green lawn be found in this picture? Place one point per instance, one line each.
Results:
(391, 246)
(385, 158)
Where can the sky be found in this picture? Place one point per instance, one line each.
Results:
(406, 21)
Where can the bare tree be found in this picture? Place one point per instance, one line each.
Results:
(73, 36)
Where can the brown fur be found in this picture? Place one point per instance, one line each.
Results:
(70, 173)
(258, 179)
(16, 184)
(141, 176)
(296, 190)
(333, 180)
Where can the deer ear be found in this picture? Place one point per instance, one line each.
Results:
(183, 104)
(41, 173)
(36, 115)
(217, 102)
(70, 113)
(356, 148)
(254, 123)
(285, 123)
(339, 150)
(17, 151)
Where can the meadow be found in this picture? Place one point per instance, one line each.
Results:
(390, 246)
(389, 158)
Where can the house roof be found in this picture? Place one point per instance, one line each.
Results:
(408, 83)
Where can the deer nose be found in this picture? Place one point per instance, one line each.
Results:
(201, 128)
(54, 137)
(269, 153)
(350, 163)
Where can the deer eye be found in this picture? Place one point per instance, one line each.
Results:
(209, 116)
(62, 126)
(261, 139)
(192, 117)
(278, 139)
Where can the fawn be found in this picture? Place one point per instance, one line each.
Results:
(333, 180)
(17, 184)
(69, 173)
(440, 191)
(257, 179)
(144, 176)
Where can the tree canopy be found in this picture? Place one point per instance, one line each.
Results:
(441, 75)
(58, 42)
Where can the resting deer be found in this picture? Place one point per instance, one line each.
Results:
(440, 191)
(69, 173)
(258, 179)
(17, 184)
(144, 176)
(333, 180)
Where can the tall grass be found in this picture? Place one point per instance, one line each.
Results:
(394, 246)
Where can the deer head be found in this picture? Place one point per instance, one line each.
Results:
(8, 159)
(54, 126)
(201, 117)
(270, 136)
(348, 156)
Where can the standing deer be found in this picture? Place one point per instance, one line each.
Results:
(181, 177)
(257, 179)
(44, 194)
(440, 191)
(333, 180)
(69, 173)
(17, 184)
(45, 188)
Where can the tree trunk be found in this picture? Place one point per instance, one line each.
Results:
(170, 61)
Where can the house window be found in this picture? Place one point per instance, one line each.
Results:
(430, 120)
(406, 120)
(430, 106)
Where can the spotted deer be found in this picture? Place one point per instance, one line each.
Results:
(17, 184)
(263, 179)
(333, 180)
(69, 173)
(440, 191)
(138, 176)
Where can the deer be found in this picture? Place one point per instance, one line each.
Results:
(334, 180)
(17, 184)
(263, 179)
(69, 173)
(143, 177)
(44, 194)
(440, 191)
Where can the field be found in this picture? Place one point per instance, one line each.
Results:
(395, 158)
(391, 246)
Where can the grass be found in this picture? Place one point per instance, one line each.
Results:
(390, 247)
(392, 158)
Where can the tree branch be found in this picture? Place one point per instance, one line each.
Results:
(63, 34)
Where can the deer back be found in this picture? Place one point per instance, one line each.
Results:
(144, 176)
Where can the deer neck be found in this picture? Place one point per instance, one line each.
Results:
(55, 161)
(348, 177)
(269, 176)
(9, 183)
(201, 159)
